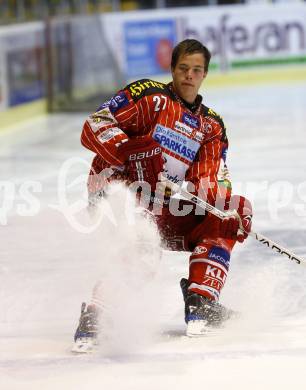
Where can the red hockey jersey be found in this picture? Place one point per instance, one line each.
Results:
(193, 139)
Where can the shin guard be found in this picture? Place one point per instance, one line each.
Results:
(208, 268)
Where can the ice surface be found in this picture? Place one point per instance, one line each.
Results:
(51, 257)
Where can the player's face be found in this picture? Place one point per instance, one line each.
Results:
(188, 75)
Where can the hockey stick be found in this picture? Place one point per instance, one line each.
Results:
(223, 214)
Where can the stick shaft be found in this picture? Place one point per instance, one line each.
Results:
(223, 214)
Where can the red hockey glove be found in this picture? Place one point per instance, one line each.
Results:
(143, 160)
(230, 226)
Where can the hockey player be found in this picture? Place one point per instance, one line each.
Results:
(149, 128)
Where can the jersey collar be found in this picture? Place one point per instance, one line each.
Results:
(194, 107)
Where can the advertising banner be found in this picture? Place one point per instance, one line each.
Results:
(239, 35)
(250, 35)
(22, 48)
(3, 93)
(148, 46)
(25, 79)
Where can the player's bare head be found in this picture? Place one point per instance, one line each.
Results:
(187, 47)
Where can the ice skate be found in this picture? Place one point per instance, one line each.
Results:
(201, 313)
(86, 335)
(197, 311)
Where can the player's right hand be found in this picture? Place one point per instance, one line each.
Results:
(143, 160)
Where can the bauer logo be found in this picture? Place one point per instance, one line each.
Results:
(191, 120)
(175, 142)
(145, 155)
(118, 102)
(219, 255)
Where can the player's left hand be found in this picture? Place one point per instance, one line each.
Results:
(230, 226)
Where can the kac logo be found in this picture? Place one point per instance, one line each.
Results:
(207, 128)
(199, 250)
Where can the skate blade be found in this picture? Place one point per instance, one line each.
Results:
(85, 345)
(197, 328)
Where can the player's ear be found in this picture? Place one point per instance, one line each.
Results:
(205, 74)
